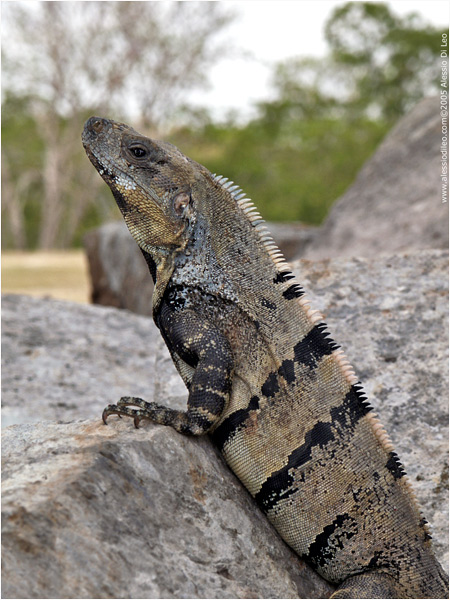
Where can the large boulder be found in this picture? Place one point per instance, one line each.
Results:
(395, 203)
(66, 361)
(90, 511)
(94, 511)
(119, 275)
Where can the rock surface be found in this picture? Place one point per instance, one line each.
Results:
(395, 204)
(66, 361)
(90, 511)
(186, 528)
(119, 275)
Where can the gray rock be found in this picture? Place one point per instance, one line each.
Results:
(395, 204)
(64, 361)
(64, 484)
(90, 511)
(119, 275)
(292, 238)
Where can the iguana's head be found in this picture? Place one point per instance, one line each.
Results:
(184, 219)
(152, 183)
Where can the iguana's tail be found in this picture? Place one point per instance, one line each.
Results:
(368, 585)
(381, 585)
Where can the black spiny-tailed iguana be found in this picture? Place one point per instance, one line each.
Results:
(265, 380)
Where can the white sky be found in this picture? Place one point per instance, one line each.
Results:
(272, 30)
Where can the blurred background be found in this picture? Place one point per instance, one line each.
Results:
(287, 99)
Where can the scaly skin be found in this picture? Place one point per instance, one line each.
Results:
(265, 380)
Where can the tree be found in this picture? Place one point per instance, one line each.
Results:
(72, 59)
(393, 60)
(378, 66)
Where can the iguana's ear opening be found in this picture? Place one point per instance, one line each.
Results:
(181, 203)
(183, 207)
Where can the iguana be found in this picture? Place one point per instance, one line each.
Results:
(266, 382)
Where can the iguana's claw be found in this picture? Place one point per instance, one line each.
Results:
(122, 408)
(111, 409)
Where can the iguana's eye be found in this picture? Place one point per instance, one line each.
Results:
(180, 202)
(138, 151)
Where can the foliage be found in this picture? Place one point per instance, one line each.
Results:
(328, 115)
(110, 56)
(21, 180)
(393, 60)
(26, 162)
(294, 173)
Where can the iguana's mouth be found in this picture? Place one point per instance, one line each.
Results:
(115, 177)
(112, 175)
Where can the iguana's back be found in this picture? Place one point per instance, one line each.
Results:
(299, 432)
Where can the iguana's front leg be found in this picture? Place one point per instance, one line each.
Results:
(200, 345)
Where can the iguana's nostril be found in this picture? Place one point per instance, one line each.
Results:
(95, 124)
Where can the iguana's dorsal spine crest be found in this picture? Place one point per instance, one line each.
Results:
(251, 213)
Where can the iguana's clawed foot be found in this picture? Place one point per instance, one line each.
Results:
(186, 422)
(122, 408)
